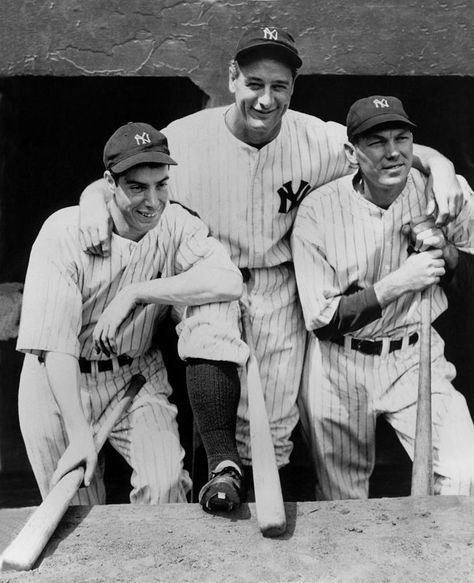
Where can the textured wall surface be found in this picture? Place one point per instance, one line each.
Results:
(196, 38)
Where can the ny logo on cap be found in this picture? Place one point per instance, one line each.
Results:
(142, 139)
(270, 34)
(381, 103)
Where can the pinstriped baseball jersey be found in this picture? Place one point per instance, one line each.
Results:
(342, 240)
(248, 196)
(67, 290)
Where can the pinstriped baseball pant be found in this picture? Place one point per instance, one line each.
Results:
(146, 436)
(343, 393)
(279, 337)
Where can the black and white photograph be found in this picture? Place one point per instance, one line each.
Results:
(236, 291)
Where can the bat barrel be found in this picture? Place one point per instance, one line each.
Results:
(422, 474)
(22, 553)
(271, 516)
(25, 549)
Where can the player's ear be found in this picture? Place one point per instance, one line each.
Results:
(231, 83)
(349, 150)
(110, 181)
(233, 74)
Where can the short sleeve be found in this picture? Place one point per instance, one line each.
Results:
(51, 313)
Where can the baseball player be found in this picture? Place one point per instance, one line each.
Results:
(77, 366)
(248, 166)
(360, 290)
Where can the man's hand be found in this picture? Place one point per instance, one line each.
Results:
(105, 331)
(421, 270)
(81, 451)
(425, 234)
(418, 272)
(95, 223)
(95, 230)
(444, 192)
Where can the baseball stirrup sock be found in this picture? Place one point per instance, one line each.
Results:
(214, 393)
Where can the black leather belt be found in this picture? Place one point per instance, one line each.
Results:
(104, 365)
(375, 346)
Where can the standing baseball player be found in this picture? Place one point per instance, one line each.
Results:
(360, 289)
(248, 166)
(77, 365)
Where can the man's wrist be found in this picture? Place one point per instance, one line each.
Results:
(388, 289)
(134, 294)
(451, 256)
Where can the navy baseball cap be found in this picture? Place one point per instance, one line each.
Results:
(135, 143)
(372, 111)
(269, 36)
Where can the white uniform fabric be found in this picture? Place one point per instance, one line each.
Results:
(248, 197)
(341, 240)
(66, 290)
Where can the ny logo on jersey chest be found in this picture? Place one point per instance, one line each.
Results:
(290, 199)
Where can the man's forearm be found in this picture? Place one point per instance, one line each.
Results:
(427, 160)
(63, 375)
(199, 285)
(96, 194)
(353, 312)
(389, 289)
(461, 277)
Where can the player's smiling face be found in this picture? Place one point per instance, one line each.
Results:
(262, 92)
(385, 157)
(139, 199)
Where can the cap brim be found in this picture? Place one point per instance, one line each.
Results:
(379, 120)
(289, 54)
(142, 158)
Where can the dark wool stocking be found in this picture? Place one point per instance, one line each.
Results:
(214, 392)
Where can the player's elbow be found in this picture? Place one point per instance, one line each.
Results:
(228, 285)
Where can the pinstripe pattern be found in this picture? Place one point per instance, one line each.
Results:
(65, 293)
(147, 437)
(340, 239)
(66, 290)
(343, 393)
(234, 186)
(235, 189)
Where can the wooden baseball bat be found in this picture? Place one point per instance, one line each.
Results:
(271, 517)
(26, 547)
(422, 473)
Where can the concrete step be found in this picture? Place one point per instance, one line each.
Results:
(374, 541)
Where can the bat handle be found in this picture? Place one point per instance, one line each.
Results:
(422, 475)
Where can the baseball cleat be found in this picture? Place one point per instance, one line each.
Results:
(223, 490)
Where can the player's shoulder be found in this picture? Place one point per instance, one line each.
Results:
(311, 123)
(178, 215)
(179, 222)
(182, 209)
(196, 120)
(334, 193)
(62, 222)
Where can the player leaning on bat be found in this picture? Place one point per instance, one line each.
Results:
(248, 165)
(77, 364)
(360, 287)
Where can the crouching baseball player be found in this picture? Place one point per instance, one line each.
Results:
(360, 289)
(87, 324)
